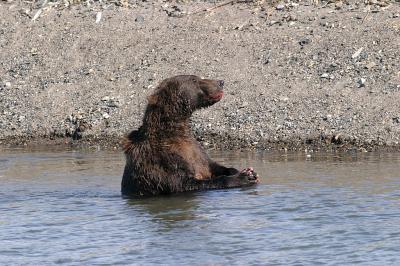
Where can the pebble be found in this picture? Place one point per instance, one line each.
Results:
(244, 104)
(112, 103)
(325, 76)
(106, 116)
(357, 53)
(304, 41)
(280, 7)
(370, 65)
(139, 18)
(8, 84)
(361, 82)
(98, 17)
(338, 5)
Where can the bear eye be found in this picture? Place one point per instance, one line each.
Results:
(195, 80)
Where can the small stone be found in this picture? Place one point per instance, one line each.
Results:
(139, 18)
(325, 76)
(106, 116)
(304, 41)
(244, 104)
(357, 53)
(285, 99)
(338, 5)
(8, 84)
(289, 17)
(105, 99)
(34, 51)
(370, 65)
(90, 71)
(280, 7)
(361, 82)
(112, 103)
(98, 17)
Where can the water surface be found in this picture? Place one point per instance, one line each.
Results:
(328, 209)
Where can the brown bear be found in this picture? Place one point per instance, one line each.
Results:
(163, 157)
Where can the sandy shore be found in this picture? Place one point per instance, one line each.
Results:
(298, 75)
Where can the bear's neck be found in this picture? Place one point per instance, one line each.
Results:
(163, 125)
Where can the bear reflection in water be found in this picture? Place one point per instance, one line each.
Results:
(163, 157)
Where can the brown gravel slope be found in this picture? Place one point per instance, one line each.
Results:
(318, 76)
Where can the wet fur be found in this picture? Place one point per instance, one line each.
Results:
(162, 156)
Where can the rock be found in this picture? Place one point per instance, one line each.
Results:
(173, 11)
(304, 41)
(112, 103)
(98, 17)
(325, 76)
(357, 53)
(331, 68)
(8, 84)
(272, 22)
(289, 17)
(139, 18)
(244, 104)
(280, 7)
(361, 82)
(370, 65)
(34, 51)
(106, 116)
(338, 5)
(105, 99)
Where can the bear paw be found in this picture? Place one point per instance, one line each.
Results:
(251, 176)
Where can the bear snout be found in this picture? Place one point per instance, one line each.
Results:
(217, 96)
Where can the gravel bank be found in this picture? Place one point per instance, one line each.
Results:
(298, 75)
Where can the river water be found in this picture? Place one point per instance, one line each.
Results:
(65, 207)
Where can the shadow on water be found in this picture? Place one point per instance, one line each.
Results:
(175, 209)
(167, 210)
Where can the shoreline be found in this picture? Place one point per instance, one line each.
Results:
(298, 76)
(113, 143)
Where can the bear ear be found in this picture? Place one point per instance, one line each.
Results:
(152, 99)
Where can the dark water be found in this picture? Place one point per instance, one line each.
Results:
(66, 208)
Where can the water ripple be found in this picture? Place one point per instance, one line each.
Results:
(66, 208)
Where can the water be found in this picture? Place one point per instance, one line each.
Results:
(65, 208)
